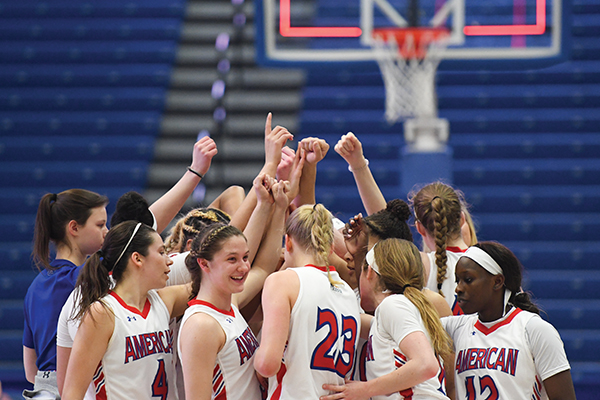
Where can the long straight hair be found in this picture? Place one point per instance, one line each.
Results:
(401, 272)
(94, 281)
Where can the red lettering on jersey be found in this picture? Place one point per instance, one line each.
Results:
(129, 352)
(500, 361)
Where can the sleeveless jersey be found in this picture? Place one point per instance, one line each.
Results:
(234, 377)
(498, 361)
(324, 330)
(449, 284)
(395, 318)
(139, 351)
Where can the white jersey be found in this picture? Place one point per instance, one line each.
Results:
(324, 330)
(395, 318)
(508, 358)
(449, 284)
(234, 377)
(140, 348)
(67, 329)
(178, 275)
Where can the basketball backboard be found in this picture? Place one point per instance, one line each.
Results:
(483, 33)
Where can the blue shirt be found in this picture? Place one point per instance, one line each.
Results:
(43, 302)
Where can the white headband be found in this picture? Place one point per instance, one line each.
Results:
(371, 260)
(127, 245)
(154, 223)
(485, 261)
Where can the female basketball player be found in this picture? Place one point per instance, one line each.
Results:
(504, 350)
(439, 217)
(123, 343)
(406, 337)
(216, 346)
(306, 310)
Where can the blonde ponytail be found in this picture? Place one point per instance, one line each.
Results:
(401, 272)
(311, 226)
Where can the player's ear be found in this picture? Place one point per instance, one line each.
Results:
(498, 281)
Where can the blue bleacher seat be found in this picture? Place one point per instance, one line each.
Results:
(11, 314)
(81, 52)
(538, 227)
(564, 314)
(93, 75)
(582, 345)
(82, 99)
(94, 9)
(14, 285)
(552, 255)
(11, 344)
(92, 29)
(79, 148)
(92, 123)
(562, 284)
(528, 172)
(71, 174)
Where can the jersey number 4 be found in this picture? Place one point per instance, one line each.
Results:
(160, 386)
(485, 382)
(335, 352)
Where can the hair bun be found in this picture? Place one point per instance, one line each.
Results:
(398, 208)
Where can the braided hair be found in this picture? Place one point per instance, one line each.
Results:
(438, 208)
(191, 225)
(311, 226)
(206, 244)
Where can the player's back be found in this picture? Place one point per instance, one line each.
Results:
(324, 328)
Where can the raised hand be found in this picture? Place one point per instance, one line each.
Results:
(355, 236)
(296, 174)
(285, 165)
(316, 149)
(274, 141)
(350, 148)
(204, 150)
(263, 185)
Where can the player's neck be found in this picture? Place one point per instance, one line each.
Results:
(72, 253)
(131, 293)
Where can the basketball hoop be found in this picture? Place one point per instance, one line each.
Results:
(408, 59)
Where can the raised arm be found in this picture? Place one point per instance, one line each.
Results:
(255, 228)
(350, 148)
(275, 139)
(169, 204)
(315, 150)
(268, 255)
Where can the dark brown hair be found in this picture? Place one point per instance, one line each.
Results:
(391, 221)
(94, 281)
(206, 244)
(54, 213)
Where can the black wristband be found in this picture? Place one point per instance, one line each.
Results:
(195, 172)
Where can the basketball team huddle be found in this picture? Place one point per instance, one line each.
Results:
(269, 296)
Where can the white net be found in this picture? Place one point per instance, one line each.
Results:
(409, 75)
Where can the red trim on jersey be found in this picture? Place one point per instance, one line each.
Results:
(323, 269)
(280, 374)
(195, 302)
(486, 331)
(222, 394)
(144, 313)
(99, 383)
(455, 249)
